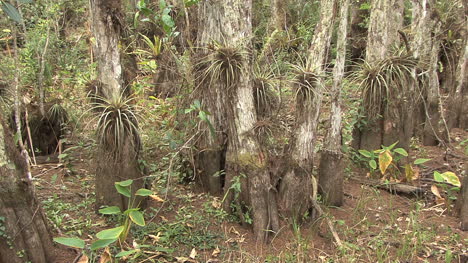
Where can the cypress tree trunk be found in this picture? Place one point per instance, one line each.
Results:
(106, 21)
(245, 161)
(212, 93)
(279, 14)
(113, 163)
(331, 163)
(386, 19)
(296, 186)
(426, 48)
(26, 231)
(457, 110)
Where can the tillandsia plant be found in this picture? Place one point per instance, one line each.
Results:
(388, 158)
(128, 217)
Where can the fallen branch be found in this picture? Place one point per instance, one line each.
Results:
(392, 187)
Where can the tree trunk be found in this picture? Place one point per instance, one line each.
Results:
(296, 186)
(106, 19)
(211, 92)
(331, 163)
(26, 231)
(244, 160)
(279, 14)
(458, 111)
(386, 19)
(113, 163)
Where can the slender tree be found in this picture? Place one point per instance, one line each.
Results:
(24, 236)
(296, 185)
(331, 163)
(211, 91)
(383, 123)
(119, 142)
(426, 48)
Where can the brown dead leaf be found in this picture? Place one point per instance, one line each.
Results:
(216, 252)
(163, 218)
(216, 203)
(83, 259)
(155, 238)
(193, 253)
(435, 191)
(106, 256)
(157, 198)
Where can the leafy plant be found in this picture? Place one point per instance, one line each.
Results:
(128, 217)
(386, 160)
(450, 183)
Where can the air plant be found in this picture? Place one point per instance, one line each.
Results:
(117, 124)
(264, 83)
(221, 63)
(383, 82)
(306, 82)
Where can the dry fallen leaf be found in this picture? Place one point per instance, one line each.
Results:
(193, 253)
(216, 252)
(83, 259)
(155, 238)
(157, 198)
(106, 256)
(435, 191)
(216, 203)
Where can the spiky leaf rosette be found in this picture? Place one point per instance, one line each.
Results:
(383, 83)
(57, 114)
(221, 63)
(117, 124)
(306, 83)
(264, 85)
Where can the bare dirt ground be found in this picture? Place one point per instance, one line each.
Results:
(374, 224)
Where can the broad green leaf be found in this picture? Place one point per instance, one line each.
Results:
(70, 241)
(373, 164)
(144, 192)
(25, 1)
(452, 178)
(126, 253)
(125, 191)
(167, 20)
(385, 159)
(401, 151)
(438, 177)
(390, 147)
(421, 161)
(11, 12)
(137, 218)
(125, 183)
(111, 210)
(365, 153)
(102, 243)
(112, 233)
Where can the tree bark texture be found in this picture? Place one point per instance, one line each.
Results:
(426, 48)
(212, 93)
(331, 163)
(26, 231)
(296, 186)
(244, 157)
(386, 18)
(113, 165)
(107, 22)
(458, 110)
(279, 14)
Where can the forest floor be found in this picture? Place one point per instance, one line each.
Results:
(189, 226)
